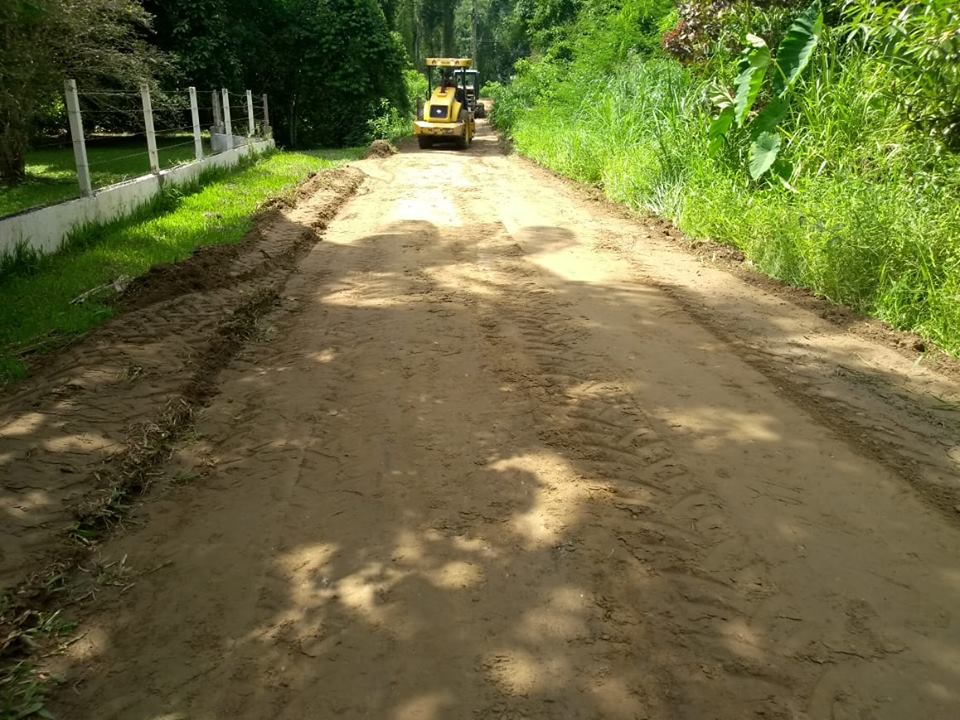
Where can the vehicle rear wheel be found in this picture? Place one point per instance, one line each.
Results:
(425, 143)
(463, 142)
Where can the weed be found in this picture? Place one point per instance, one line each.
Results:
(22, 632)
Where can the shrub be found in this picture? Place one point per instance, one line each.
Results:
(920, 42)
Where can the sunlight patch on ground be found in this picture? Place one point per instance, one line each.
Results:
(455, 575)
(24, 425)
(31, 501)
(323, 357)
(437, 209)
(550, 249)
(84, 443)
(742, 640)
(518, 672)
(555, 499)
(380, 290)
(717, 426)
(426, 707)
(616, 699)
(464, 279)
(563, 616)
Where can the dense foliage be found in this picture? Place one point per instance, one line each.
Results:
(840, 177)
(328, 65)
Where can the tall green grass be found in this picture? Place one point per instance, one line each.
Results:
(37, 313)
(872, 219)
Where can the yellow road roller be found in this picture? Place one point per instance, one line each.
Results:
(446, 116)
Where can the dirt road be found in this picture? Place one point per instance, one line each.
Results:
(501, 452)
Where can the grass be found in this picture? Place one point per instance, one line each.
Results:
(872, 221)
(52, 176)
(37, 313)
(22, 691)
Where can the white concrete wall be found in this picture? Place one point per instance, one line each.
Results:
(45, 229)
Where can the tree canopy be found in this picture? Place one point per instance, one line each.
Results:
(99, 43)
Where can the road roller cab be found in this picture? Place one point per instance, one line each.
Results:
(446, 115)
(471, 82)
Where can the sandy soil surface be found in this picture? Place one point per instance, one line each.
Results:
(498, 451)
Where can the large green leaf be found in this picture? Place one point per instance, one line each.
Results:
(753, 68)
(719, 128)
(763, 152)
(797, 47)
(769, 117)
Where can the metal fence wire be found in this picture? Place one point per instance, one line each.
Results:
(117, 135)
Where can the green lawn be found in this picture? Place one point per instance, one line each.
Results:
(36, 310)
(52, 177)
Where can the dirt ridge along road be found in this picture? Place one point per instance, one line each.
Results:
(495, 459)
(102, 413)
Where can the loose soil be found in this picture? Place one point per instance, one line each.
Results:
(380, 149)
(499, 451)
(89, 419)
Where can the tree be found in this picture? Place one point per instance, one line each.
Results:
(327, 64)
(347, 62)
(97, 42)
(428, 27)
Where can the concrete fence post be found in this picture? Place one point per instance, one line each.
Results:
(217, 115)
(195, 117)
(76, 134)
(227, 126)
(148, 126)
(266, 117)
(251, 126)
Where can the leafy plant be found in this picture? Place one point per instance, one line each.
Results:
(696, 24)
(792, 58)
(920, 41)
(388, 124)
(99, 43)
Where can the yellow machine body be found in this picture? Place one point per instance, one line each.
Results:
(446, 115)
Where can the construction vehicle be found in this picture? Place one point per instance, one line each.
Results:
(446, 115)
(471, 79)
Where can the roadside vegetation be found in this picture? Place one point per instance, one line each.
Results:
(40, 310)
(843, 178)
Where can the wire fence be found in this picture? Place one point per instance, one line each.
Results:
(109, 136)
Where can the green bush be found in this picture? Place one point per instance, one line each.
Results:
(348, 62)
(391, 122)
(920, 43)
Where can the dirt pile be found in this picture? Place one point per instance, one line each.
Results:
(380, 149)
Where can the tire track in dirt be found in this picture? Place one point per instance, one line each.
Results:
(896, 446)
(645, 499)
(94, 423)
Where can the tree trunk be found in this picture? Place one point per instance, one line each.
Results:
(293, 121)
(13, 155)
(473, 34)
(448, 37)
